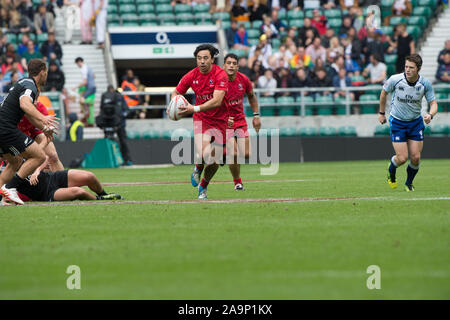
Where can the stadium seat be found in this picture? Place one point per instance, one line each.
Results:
(327, 131)
(238, 52)
(276, 43)
(146, 8)
(253, 41)
(332, 13)
(267, 106)
(296, 23)
(427, 3)
(358, 80)
(308, 132)
(427, 130)
(112, 8)
(128, 8)
(295, 14)
(201, 8)
(347, 131)
(253, 33)
(421, 22)
(12, 38)
(182, 8)
(166, 134)
(147, 17)
(391, 69)
(131, 134)
(386, 8)
(285, 106)
(382, 130)
(390, 58)
(325, 109)
(309, 13)
(185, 23)
(122, 2)
(387, 30)
(339, 106)
(288, 132)
(308, 101)
(163, 8)
(168, 23)
(130, 23)
(422, 11)
(439, 130)
(368, 108)
(141, 2)
(158, 2)
(148, 23)
(221, 16)
(414, 31)
(256, 24)
(335, 24)
(165, 18)
(41, 38)
(397, 20)
(185, 17)
(226, 24)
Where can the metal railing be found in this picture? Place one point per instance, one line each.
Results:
(299, 95)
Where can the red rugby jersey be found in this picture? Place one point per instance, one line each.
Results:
(25, 125)
(204, 86)
(234, 98)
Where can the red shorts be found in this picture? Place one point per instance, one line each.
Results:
(217, 131)
(239, 130)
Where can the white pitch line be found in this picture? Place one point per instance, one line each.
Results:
(163, 183)
(225, 201)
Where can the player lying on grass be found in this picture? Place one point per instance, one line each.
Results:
(64, 185)
(238, 137)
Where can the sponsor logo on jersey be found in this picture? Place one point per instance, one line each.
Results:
(401, 88)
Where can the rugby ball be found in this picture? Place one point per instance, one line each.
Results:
(174, 107)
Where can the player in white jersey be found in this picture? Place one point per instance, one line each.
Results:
(406, 121)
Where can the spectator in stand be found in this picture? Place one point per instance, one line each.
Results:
(4, 18)
(239, 12)
(88, 83)
(400, 8)
(257, 10)
(243, 66)
(327, 38)
(346, 24)
(269, 28)
(267, 81)
(25, 8)
(443, 71)
(302, 32)
(299, 59)
(23, 45)
(341, 80)
(9, 75)
(315, 50)
(335, 48)
(71, 12)
(374, 45)
(356, 46)
(11, 51)
(375, 71)
(321, 80)
(8, 63)
(144, 100)
(174, 2)
(231, 32)
(31, 53)
(405, 46)
(19, 24)
(358, 21)
(338, 64)
(310, 36)
(51, 49)
(300, 80)
(49, 7)
(283, 56)
(256, 56)
(319, 22)
(256, 71)
(86, 14)
(351, 63)
(129, 75)
(328, 4)
(443, 51)
(291, 36)
(266, 50)
(283, 80)
(55, 78)
(241, 39)
(44, 21)
(279, 25)
(99, 19)
(350, 5)
(14, 77)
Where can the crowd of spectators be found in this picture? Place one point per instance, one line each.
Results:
(317, 55)
(443, 70)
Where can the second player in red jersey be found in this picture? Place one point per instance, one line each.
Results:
(238, 141)
(210, 84)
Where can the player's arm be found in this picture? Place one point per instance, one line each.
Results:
(34, 177)
(215, 102)
(40, 121)
(382, 112)
(174, 93)
(254, 105)
(433, 110)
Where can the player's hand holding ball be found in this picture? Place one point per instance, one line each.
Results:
(177, 107)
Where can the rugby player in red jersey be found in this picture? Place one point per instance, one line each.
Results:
(237, 133)
(209, 83)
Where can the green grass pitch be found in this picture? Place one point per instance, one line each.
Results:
(239, 250)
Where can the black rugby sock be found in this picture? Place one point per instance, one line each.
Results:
(15, 182)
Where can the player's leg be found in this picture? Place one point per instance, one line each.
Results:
(414, 149)
(242, 151)
(198, 160)
(73, 193)
(50, 150)
(400, 157)
(81, 178)
(13, 164)
(211, 165)
(235, 167)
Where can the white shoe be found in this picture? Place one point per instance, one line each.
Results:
(6, 202)
(202, 193)
(238, 186)
(10, 194)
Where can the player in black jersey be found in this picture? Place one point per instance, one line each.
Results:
(14, 144)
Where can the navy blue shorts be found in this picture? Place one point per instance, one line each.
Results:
(402, 131)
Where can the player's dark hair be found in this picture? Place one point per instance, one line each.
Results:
(416, 59)
(35, 66)
(79, 59)
(376, 56)
(212, 50)
(232, 56)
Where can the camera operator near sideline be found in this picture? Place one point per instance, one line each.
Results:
(113, 113)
